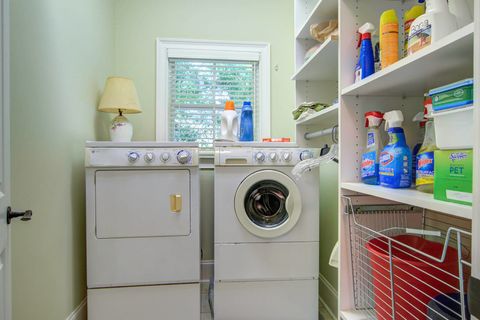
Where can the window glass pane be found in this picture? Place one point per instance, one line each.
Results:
(198, 90)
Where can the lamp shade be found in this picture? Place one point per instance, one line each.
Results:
(119, 94)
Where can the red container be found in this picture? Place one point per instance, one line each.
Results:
(417, 279)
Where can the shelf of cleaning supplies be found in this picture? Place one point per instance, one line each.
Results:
(322, 65)
(448, 60)
(324, 10)
(411, 197)
(356, 315)
(327, 117)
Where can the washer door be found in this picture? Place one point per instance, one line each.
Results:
(268, 203)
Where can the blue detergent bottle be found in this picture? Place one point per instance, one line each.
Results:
(371, 156)
(396, 157)
(366, 61)
(246, 122)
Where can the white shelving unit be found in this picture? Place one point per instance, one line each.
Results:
(398, 87)
(322, 65)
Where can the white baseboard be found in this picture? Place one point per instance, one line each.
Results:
(333, 292)
(80, 312)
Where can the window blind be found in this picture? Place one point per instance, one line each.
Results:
(198, 90)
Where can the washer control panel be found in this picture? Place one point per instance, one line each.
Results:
(238, 156)
(141, 157)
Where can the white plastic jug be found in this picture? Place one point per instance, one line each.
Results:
(229, 127)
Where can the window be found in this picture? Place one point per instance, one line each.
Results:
(194, 79)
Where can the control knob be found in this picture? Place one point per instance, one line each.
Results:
(165, 156)
(287, 156)
(306, 154)
(133, 157)
(183, 156)
(149, 157)
(260, 156)
(273, 156)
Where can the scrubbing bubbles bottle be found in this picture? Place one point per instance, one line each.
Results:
(396, 158)
(370, 159)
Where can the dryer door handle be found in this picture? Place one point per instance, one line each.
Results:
(176, 203)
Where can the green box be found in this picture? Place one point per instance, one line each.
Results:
(453, 176)
(454, 95)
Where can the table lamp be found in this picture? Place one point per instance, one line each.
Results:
(120, 96)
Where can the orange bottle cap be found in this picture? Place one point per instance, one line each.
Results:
(229, 105)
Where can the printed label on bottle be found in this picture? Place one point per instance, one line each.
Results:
(408, 24)
(425, 168)
(386, 158)
(420, 36)
(393, 138)
(358, 74)
(370, 139)
(368, 164)
(389, 44)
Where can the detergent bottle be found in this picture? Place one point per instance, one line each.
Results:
(371, 156)
(410, 16)
(246, 122)
(434, 24)
(425, 157)
(396, 158)
(229, 123)
(388, 38)
(366, 61)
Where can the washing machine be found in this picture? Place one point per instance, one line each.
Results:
(143, 245)
(266, 233)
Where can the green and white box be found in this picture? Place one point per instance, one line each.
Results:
(453, 176)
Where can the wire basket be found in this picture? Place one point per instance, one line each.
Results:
(408, 263)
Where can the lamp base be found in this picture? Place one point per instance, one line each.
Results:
(121, 130)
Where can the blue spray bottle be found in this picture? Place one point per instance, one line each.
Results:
(371, 156)
(246, 122)
(366, 61)
(396, 158)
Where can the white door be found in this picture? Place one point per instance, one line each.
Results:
(4, 165)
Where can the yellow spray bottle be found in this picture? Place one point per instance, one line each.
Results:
(388, 38)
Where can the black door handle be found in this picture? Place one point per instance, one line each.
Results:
(25, 216)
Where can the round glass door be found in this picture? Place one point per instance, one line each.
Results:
(268, 203)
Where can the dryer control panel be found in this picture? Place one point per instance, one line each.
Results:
(141, 157)
(245, 156)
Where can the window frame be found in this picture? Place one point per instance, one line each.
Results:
(206, 49)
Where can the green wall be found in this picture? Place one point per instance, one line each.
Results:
(138, 23)
(61, 52)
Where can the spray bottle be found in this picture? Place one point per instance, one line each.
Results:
(460, 10)
(396, 158)
(366, 62)
(371, 157)
(420, 118)
(434, 24)
(425, 157)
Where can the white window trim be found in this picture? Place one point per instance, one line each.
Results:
(181, 48)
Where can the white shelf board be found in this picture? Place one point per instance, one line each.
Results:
(354, 315)
(412, 197)
(322, 65)
(324, 10)
(326, 117)
(448, 60)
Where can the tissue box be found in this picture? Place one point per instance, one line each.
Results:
(453, 176)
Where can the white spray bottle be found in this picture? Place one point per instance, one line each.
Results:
(460, 10)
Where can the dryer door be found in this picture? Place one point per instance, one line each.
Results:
(142, 203)
(268, 203)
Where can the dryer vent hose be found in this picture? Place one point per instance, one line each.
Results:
(308, 165)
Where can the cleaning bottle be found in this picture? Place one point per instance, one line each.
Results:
(229, 123)
(366, 62)
(388, 38)
(434, 24)
(460, 10)
(420, 118)
(396, 158)
(410, 16)
(371, 156)
(425, 157)
(246, 122)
